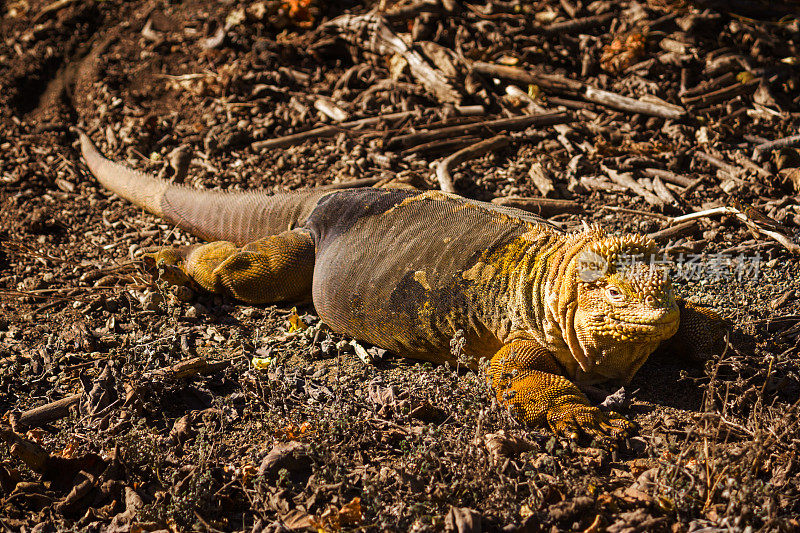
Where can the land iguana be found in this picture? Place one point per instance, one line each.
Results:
(406, 270)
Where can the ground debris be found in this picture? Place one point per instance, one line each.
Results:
(128, 407)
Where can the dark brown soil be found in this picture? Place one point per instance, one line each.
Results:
(315, 437)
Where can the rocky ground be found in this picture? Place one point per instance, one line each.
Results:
(167, 409)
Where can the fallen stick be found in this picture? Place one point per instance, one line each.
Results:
(750, 164)
(692, 186)
(327, 131)
(561, 84)
(330, 109)
(710, 85)
(562, 129)
(732, 115)
(332, 131)
(662, 192)
(661, 20)
(371, 32)
(625, 179)
(441, 145)
(679, 230)
(190, 367)
(51, 8)
(632, 105)
(544, 207)
(577, 25)
(719, 163)
(617, 209)
(458, 120)
(465, 154)
(668, 176)
(782, 239)
(412, 10)
(705, 213)
(571, 104)
(720, 95)
(761, 149)
(684, 81)
(548, 82)
(48, 412)
(597, 184)
(493, 126)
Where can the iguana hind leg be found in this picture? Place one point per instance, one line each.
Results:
(278, 268)
(526, 378)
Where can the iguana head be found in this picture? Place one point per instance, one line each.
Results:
(623, 308)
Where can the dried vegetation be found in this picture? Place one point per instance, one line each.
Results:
(129, 406)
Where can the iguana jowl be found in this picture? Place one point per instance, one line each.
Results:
(406, 270)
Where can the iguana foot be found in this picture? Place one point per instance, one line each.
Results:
(169, 264)
(527, 379)
(576, 420)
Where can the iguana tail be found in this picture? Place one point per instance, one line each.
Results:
(236, 216)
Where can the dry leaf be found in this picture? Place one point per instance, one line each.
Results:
(295, 323)
(350, 514)
(300, 12)
(622, 52)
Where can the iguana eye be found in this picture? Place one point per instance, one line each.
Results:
(650, 299)
(614, 295)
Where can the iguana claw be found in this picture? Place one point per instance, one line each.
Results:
(169, 265)
(575, 420)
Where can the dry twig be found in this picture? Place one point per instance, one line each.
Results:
(625, 179)
(632, 105)
(488, 126)
(465, 154)
(48, 412)
(371, 31)
(544, 207)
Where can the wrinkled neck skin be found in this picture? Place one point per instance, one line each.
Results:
(546, 287)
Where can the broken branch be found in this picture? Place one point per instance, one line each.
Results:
(488, 126)
(678, 230)
(331, 131)
(548, 82)
(578, 25)
(465, 154)
(668, 176)
(371, 32)
(632, 105)
(544, 207)
(763, 148)
(49, 412)
(625, 179)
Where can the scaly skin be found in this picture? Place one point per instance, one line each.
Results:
(408, 271)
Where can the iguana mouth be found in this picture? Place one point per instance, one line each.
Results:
(638, 331)
(656, 324)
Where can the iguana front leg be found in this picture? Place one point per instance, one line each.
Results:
(527, 379)
(699, 334)
(278, 268)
